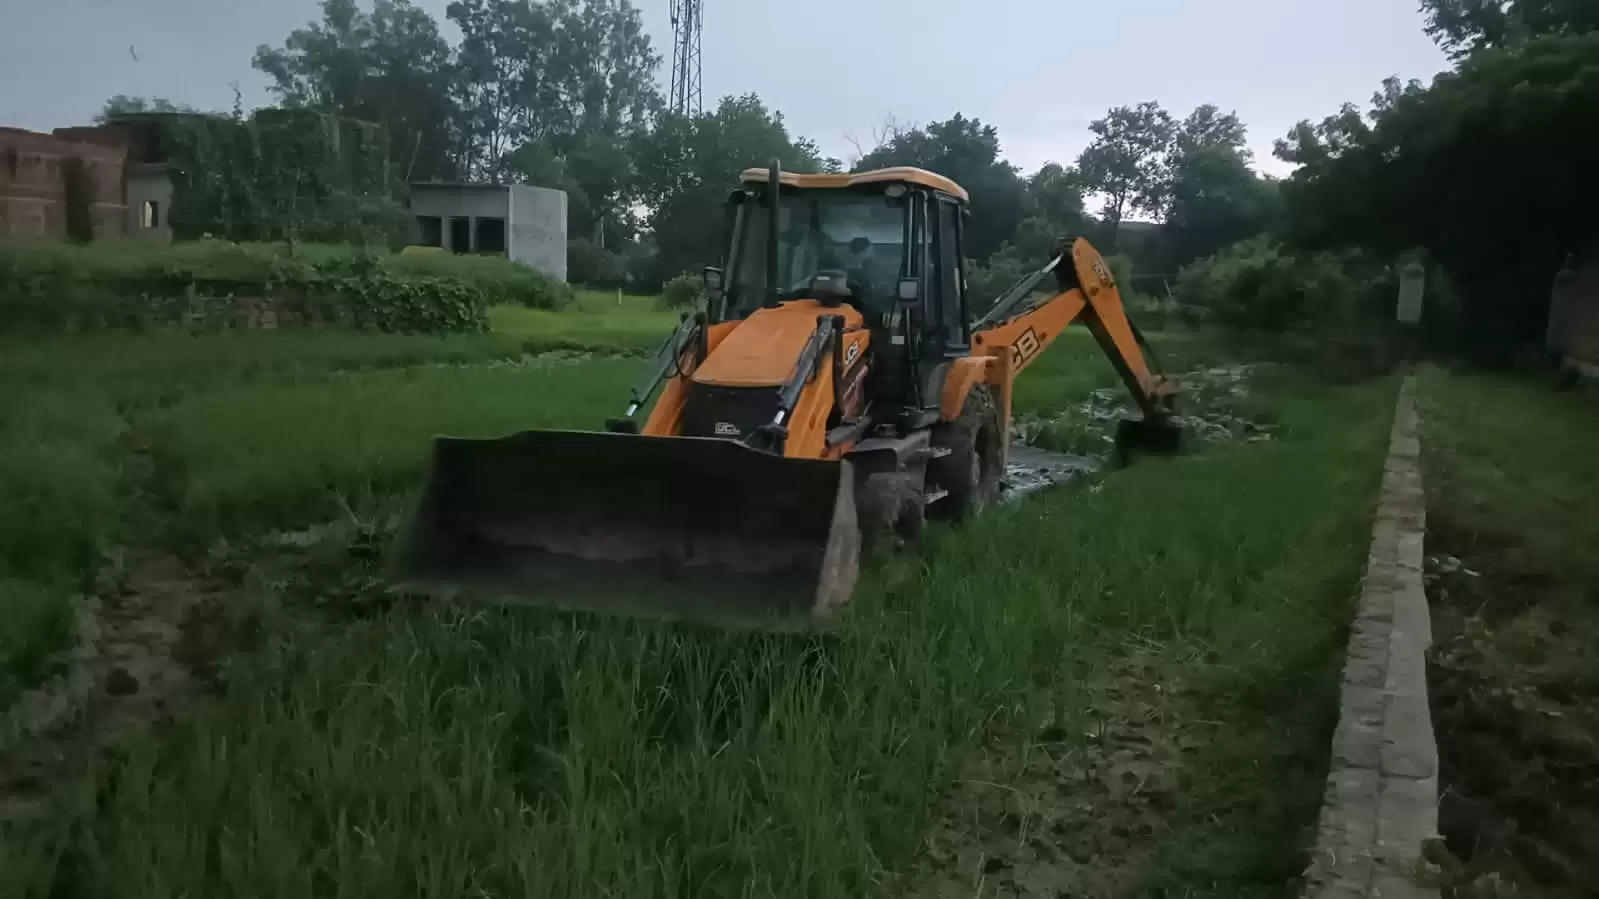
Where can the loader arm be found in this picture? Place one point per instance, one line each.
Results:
(1017, 331)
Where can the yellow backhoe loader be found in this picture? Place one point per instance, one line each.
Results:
(835, 387)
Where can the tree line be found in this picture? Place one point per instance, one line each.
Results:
(563, 93)
(1486, 175)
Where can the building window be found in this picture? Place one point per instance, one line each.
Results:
(490, 235)
(150, 214)
(429, 231)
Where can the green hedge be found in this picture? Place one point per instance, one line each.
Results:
(214, 284)
(1258, 284)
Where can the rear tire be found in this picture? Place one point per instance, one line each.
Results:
(972, 470)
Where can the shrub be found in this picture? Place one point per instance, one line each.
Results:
(683, 291)
(51, 286)
(985, 282)
(588, 263)
(1258, 285)
(499, 279)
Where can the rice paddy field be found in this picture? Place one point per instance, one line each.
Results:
(1124, 686)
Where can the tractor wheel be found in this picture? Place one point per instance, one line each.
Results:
(890, 509)
(972, 470)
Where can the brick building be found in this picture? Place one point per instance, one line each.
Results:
(51, 184)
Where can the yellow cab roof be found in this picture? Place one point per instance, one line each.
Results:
(903, 173)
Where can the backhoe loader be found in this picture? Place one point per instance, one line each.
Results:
(835, 388)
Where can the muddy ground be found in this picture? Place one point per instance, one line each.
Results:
(1074, 810)
(1518, 732)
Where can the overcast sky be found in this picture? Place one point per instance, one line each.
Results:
(1040, 70)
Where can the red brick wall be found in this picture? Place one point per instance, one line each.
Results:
(32, 188)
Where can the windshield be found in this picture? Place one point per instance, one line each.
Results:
(860, 234)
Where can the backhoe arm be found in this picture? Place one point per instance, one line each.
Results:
(1013, 334)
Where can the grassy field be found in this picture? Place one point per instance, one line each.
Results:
(448, 751)
(1513, 516)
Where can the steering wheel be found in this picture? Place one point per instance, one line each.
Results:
(836, 286)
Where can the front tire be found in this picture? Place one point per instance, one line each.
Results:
(972, 470)
(890, 509)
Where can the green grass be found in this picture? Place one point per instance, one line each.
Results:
(276, 456)
(450, 751)
(189, 434)
(594, 320)
(60, 470)
(1513, 495)
(473, 752)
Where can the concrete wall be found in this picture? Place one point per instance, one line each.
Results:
(149, 184)
(534, 219)
(1574, 311)
(1381, 802)
(538, 229)
(33, 188)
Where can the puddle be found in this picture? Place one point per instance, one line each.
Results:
(1032, 469)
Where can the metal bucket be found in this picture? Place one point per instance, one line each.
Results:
(676, 527)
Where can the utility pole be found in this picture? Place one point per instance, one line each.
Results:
(688, 17)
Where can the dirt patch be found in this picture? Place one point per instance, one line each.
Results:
(147, 646)
(1518, 734)
(1069, 809)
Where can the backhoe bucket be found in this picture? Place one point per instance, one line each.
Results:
(676, 527)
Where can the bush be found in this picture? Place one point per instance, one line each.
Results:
(1258, 285)
(683, 291)
(498, 279)
(985, 282)
(593, 265)
(212, 283)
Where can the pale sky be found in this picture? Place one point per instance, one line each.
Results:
(1039, 70)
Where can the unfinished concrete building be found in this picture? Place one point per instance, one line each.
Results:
(523, 223)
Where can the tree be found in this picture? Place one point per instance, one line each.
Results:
(1055, 193)
(1212, 198)
(1463, 27)
(122, 104)
(604, 67)
(966, 151)
(1127, 161)
(390, 67)
(502, 86)
(1490, 170)
(687, 165)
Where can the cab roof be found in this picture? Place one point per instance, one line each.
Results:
(904, 174)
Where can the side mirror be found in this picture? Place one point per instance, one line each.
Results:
(713, 282)
(910, 291)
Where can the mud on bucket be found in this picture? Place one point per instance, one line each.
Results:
(677, 527)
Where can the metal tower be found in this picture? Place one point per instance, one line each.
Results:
(687, 18)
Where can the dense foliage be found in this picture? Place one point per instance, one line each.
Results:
(1464, 26)
(1259, 285)
(211, 284)
(280, 174)
(1491, 170)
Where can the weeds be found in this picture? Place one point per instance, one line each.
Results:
(455, 752)
(440, 750)
(1513, 512)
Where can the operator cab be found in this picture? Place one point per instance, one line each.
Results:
(886, 242)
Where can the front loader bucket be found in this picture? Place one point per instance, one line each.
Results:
(678, 527)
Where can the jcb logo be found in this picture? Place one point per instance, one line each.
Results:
(1102, 272)
(1025, 347)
